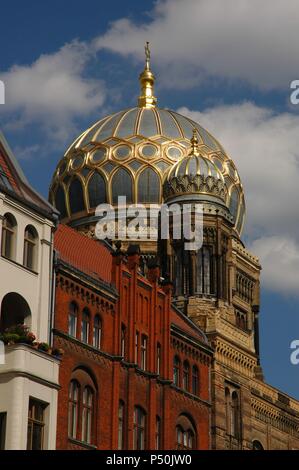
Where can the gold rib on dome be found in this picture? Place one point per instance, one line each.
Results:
(147, 80)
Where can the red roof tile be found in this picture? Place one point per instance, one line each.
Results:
(85, 254)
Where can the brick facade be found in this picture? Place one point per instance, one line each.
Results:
(138, 324)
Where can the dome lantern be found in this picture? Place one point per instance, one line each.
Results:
(147, 80)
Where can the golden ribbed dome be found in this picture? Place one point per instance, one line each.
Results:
(130, 153)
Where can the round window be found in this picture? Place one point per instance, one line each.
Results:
(98, 155)
(122, 152)
(148, 151)
(77, 162)
(174, 153)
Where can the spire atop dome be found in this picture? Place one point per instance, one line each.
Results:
(194, 144)
(147, 80)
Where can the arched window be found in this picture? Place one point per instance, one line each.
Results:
(96, 190)
(139, 428)
(14, 311)
(179, 437)
(85, 325)
(73, 313)
(185, 439)
(204, 274)
(123, 341)
(228, 410)
(256, 445)
(195, 380)
(241, 320)
(235, 415)
(232, 407)
(76, 197)
(158, 433)
(148, 186)
(30, 247)
(73, 409)
(60, 202)
(143, 352)
(8, 240)
(158, 359)
(121, 412)
(97, 332)
(87, 414)
(81, 416)
(122, 186)
(185, 434)
(186, 375)
(234, 202)
(176, 371)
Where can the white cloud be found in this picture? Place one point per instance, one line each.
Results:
(52, 91)
(265, 148)
(251, 40)
(279, 257)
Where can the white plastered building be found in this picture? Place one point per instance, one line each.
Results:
(28, 376)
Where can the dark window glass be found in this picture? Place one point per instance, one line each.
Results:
(186, 375)
(97, 332)
(176, 371)
(60, 202)
(73, 409)
(85, 326)
(36, 425)
(136, 346)
(87, 414)
(139, 429)
(185, 439)
(256, 445)
(123, 341)
(76, 196)
(148, 186)
(195, 380)
(96, 190)
(121, 411)
(158, 359)
(2, 430)
(143, 352)
(30, 248)
(9, 226)
(122, 186)
(158, 433)
(235, 423)
(204, 278)
(232, 412)
(73, 312)
(234, 201)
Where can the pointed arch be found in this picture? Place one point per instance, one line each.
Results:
(122, 185)
(96, 190)
(76, 196)
(60, 201)
(149, 186)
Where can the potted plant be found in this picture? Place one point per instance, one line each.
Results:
(44, 347)
(57, 352)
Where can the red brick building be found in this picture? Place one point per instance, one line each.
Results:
(135, 372)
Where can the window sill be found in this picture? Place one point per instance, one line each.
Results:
(19, 265)
(82, 443)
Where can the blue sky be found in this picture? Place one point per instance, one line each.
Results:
(231, 73)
